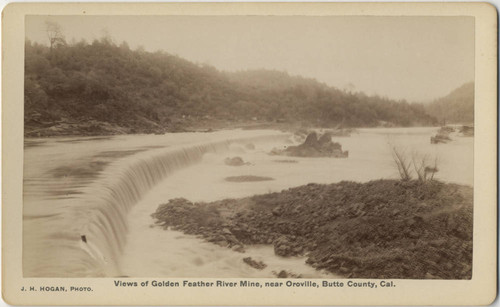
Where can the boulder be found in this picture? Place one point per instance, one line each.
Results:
(311, 140)
(314, 147)
(467, 130)
(325, 138)
(286, 274)
(259, 265)
(440, 139)
(442, 136)
(286, 247)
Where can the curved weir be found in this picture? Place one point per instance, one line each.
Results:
(84, 235)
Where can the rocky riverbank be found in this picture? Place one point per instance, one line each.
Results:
(443, 135)
(379, 229)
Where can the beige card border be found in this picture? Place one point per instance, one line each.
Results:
(480, 290)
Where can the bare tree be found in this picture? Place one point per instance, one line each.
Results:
(420, 165)
(425, 171)
(402, 163)
(54, 33)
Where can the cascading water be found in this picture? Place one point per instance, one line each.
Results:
(103, 190)
(84, 234)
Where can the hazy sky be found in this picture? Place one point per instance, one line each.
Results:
(413, 58)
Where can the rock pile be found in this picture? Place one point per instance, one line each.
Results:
(443, 135)
(379, 229)
(314, 147)
(467, 130)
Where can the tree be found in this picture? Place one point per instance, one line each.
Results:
(54, 33)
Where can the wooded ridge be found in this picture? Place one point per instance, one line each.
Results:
(134, 91)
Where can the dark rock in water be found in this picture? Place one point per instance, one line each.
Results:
(446, 130)
(286, 274)
(442, 136)
(259, 265)
(467, 130)
(312, 147)
(440, 139)
(325, 138)
(235, 161)
(311, 140)
(282, 274)
(248, 178)
(330, 147)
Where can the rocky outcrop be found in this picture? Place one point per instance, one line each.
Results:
(314, 147)
(443, 135)
(379, 229)
(467, 130)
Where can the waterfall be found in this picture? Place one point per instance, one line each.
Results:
(88, 232)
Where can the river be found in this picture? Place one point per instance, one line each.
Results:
(102, 190)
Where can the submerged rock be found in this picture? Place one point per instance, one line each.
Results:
(247, 178)
(235, 161)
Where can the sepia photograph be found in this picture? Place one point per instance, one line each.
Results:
(248, 147)
(217, 150)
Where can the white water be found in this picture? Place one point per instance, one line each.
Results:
(90, 187)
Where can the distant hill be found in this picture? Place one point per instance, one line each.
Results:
(263, 79)
(138, 91)
(456, 107)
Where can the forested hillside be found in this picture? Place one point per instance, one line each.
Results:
(138, 91)
(455, 108)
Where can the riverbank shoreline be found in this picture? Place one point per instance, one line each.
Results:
(84, 128)
(378, 229)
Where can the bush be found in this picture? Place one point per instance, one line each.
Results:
(418, 162)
